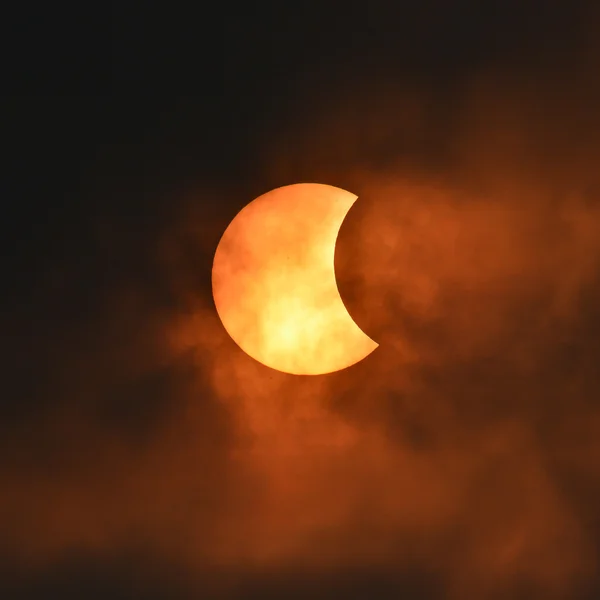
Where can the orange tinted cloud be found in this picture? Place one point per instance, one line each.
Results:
(463, 447)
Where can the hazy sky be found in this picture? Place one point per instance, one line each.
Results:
(144, 455)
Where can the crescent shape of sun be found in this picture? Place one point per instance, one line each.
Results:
(274, 282)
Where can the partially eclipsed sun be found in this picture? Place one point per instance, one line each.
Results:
(274, 282)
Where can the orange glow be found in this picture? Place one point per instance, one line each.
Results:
(274, 282)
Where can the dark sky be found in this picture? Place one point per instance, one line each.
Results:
(143, 455)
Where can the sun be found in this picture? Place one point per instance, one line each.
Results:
(274, 282)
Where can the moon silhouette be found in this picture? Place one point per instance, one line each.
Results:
(274, 283)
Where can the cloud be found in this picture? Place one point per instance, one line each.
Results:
(463, 451)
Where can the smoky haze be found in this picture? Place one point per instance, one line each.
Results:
(154, 459)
